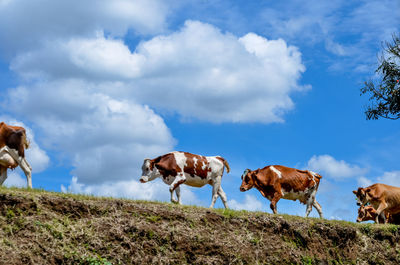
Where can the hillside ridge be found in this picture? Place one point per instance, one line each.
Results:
(39, 227)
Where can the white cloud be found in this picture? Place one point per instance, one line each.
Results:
(217, 77)
(364, 182)
(326, 164)
(95, 58)
(390, 178)
(250, 204)
(105, 138)
(49, 19)
(200, 72)
(132, 189)
(15, 180)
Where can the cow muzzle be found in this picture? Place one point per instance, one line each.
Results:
(143, 180)
(242, 189)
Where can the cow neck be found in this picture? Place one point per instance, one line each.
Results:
(256, 181)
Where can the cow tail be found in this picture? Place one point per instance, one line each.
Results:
(225, 163)
(315, 176)
(227, 166)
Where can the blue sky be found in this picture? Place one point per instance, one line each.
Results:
(101, 85)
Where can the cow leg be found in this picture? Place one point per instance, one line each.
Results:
(23, 164)
(178, 194)
(179, 179)
(216, 186)
(3, 174)
(27, 170)
(310, 202)
(222, 195)
(172, 197)
(379, 211)
(318, 207)
(274, 201)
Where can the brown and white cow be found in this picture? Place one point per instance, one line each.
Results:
(384, 198)
(13, 143)
(176, 168)
(276, 182)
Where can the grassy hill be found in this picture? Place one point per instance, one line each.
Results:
(38, 227)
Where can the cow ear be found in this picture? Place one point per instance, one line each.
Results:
(355, 192)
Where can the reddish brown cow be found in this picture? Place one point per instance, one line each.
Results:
(13, 143)
(384, 198)
(368, 213)
(14, 137)
(276, 182)
(176, 168)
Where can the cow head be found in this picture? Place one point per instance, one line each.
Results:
(247, 180)
(17, 140)
(149, 171)
(364, 214)
(362, 196)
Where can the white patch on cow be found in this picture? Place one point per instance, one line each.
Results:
(313, 176)
(302, 196)
(180, 160)
(195, 164)
(276, 171)
(203, 167)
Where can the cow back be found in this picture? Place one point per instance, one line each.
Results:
(196, 165)
(166, 165)
(296, 180)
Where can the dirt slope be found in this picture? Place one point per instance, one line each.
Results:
(38, 227)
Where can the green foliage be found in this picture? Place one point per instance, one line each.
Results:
(10, 214)
(385, 93)
(95, 261)
(229, 213)
(307, 260)
(153, 218)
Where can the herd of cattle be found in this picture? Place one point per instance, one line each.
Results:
(378, 202)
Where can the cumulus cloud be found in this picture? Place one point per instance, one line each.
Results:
(390, 178)
(338, 169)
(218, 77)
(132, 189)
(14, 179)
(250, 203)
(104, 137)
(49, 20)
(95, 58)
(201, 72)
(364, 182)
